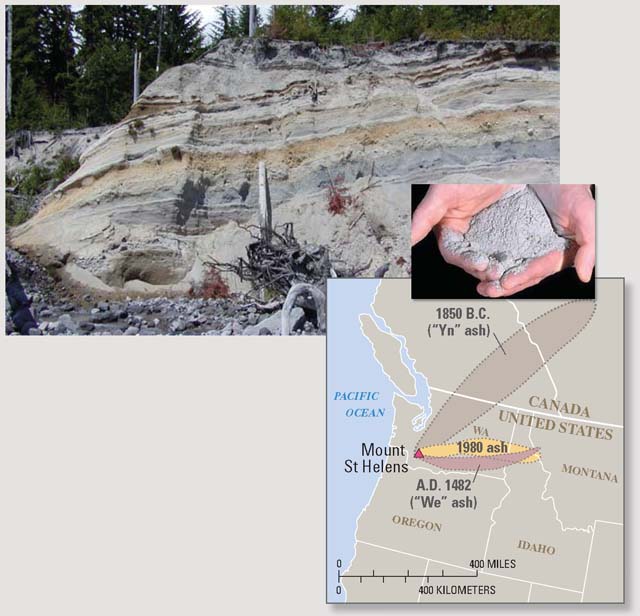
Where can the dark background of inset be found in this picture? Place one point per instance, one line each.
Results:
(433, 278)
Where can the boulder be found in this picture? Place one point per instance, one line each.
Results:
(272, 323)
(65, 325)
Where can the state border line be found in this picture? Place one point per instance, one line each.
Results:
(506, 577)
(593, 536)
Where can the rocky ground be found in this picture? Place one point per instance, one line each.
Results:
(63, 311)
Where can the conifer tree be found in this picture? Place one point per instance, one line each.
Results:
(182, 34)
(57, 50)
(27, 52)
(73, 67)
(226, 25)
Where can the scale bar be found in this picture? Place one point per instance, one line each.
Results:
(404, 575)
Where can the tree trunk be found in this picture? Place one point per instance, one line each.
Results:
(252, 20)
(137, 57)
(160, 25)
(9, 54)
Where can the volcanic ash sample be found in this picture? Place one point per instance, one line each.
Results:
(508, 234)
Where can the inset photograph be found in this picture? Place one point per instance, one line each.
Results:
(531, 241)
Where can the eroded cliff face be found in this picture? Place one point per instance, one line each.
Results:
(169, 186)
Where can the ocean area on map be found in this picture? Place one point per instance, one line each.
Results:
(353, 367)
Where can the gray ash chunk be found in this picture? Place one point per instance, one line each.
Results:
(509, 233)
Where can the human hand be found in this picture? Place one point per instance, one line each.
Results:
(571, 209)
(449, 208)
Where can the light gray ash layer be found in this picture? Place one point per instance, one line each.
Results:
(508, 234)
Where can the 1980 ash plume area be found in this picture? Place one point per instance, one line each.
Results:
(506, 483)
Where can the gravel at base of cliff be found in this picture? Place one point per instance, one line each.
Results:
(62, 311)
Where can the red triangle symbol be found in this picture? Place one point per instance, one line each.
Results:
(419, 454)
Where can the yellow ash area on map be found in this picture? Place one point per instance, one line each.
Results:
(478, 447)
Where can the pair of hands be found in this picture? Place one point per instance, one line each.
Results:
(570, 207)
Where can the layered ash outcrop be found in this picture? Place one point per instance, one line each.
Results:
(167, 188)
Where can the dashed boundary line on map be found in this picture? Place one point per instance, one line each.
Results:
(589, 529)
(522, 383)
(523, 410)
(548, 474)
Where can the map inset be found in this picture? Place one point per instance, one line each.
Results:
(474, 449)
